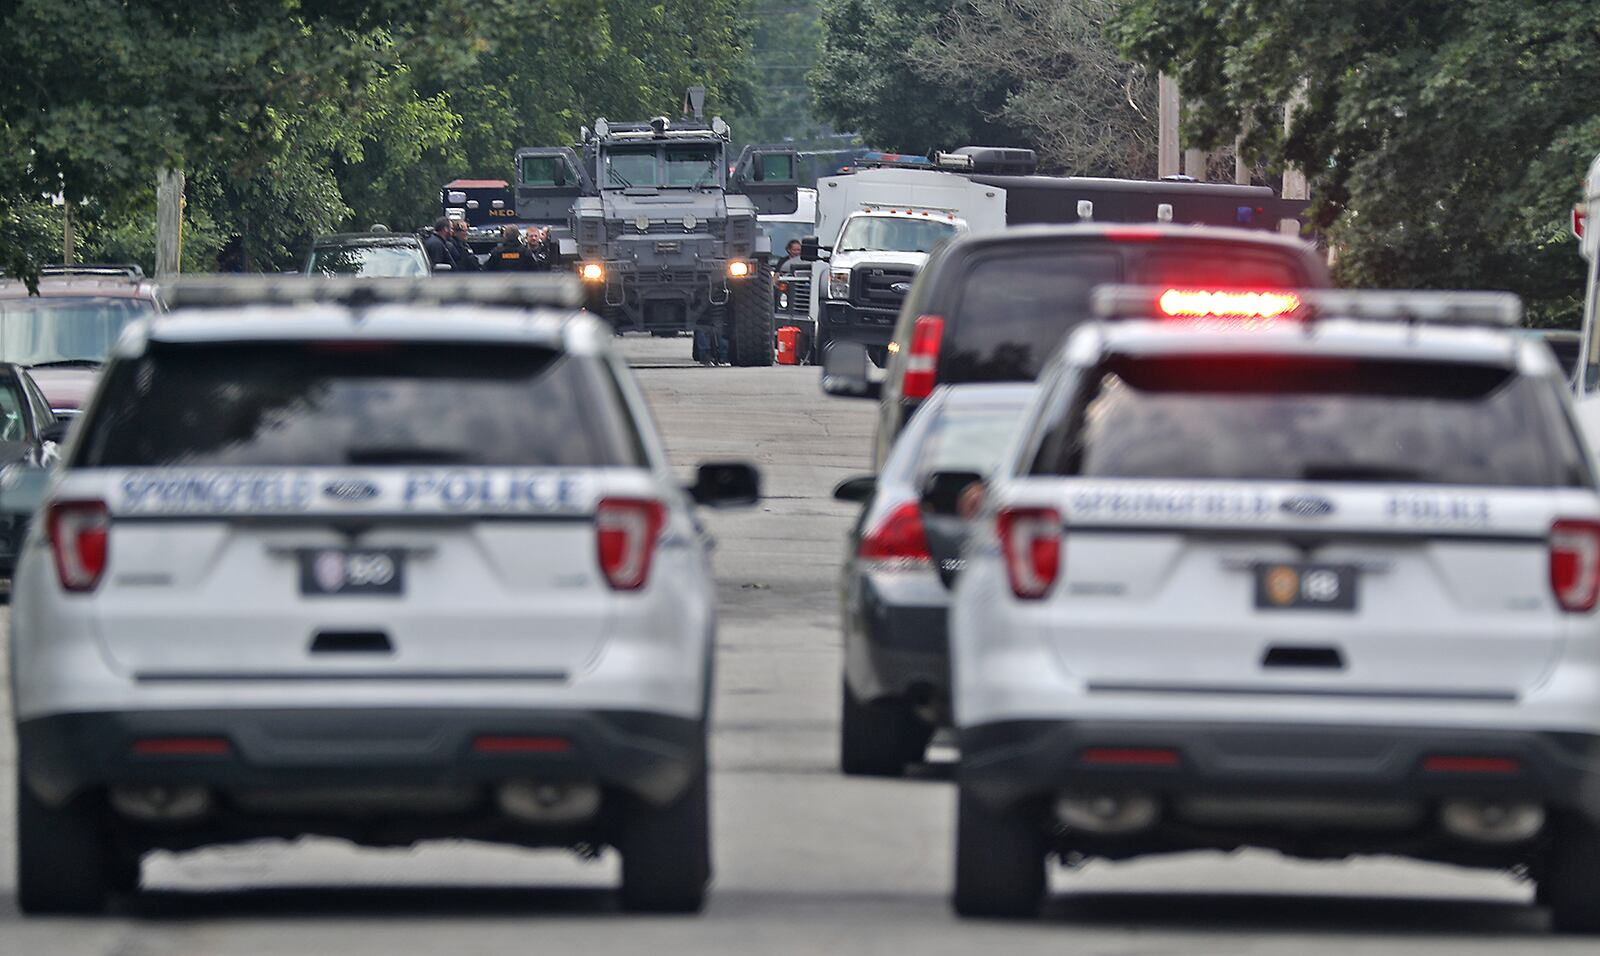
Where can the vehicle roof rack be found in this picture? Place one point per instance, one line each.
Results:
(127, 271)
(515, 292)
(1489, 309)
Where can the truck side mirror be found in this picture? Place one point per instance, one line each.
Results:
(809, 250)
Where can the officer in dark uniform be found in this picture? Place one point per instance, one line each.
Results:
(510, 254)
(459, 250)
(437, 244)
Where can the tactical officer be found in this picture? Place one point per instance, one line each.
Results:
(437, 244)
(510, 254)
(464, 259)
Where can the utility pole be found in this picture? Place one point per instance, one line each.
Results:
(69, 252)
(1294, 178)
(169, 222)
(1167, 126)
(1241, 169)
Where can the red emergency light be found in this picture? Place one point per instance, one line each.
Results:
(1216, 304)
(1580, 216)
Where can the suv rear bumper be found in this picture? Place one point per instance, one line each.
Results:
(653, 756)
(1011, 762)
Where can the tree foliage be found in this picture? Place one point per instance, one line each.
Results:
(872, 77)
(1080, 104)
(291, 118)
(1445, 138)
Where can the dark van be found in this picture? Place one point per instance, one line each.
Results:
(995, 308)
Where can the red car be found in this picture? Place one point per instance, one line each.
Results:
(62, 335)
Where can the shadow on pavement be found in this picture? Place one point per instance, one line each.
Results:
(391, 902)
(1267, 913)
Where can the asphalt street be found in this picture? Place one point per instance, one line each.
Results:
(806, 860)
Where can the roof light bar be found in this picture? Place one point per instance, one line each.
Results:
(1494, 309)
(516, 292)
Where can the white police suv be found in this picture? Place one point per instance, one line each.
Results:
(1314, 572)
(384, 560)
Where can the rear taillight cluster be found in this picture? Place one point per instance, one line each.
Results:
(626, 530)
(1575, 564)
(898, 541)
(922, 359)
(1030, 541)
(80, 539)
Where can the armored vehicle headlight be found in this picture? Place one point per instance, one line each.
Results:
(642, 223)
(738, 269)
(592, 272)
(689, 222)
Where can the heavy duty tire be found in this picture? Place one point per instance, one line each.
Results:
(666, 852)
(64, 862)
(1000, 856)
(878, 738)
(1570, 883)
(750, 319)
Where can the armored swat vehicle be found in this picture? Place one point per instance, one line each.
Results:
(663, 230)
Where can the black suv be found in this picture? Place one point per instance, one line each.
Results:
(995, 308)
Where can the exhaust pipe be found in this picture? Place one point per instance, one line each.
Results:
(157, 803)
(1492, 821)
(549, 804)
(1108, 814)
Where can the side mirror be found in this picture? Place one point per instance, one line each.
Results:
(844, 371)
(726, 483)
(810, 251)
(857, 489)
(943, 491)
(55, 432)
(444, 267)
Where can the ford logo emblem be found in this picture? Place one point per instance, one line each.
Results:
(1307, 506)
(901, 287)
(350, 489)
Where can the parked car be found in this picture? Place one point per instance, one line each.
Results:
(368, 254)
(63, 334)
(904, 553)
(30, 435)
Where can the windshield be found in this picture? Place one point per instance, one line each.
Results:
(783, 233)
(380, 404)
(43, 330)
(368, 261)
(886, 234)
(631, 167)
(969, 439)
(1280, 418)
(692, 165)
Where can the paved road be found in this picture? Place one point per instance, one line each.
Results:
(807, 862)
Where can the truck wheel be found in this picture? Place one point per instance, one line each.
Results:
(666, 852)
(750, 334)
(878, 738)
(1570, 883)
(1000, 856)
(64, 864)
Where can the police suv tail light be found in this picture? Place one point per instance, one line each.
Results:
(80, 533)
(899, 541)
(922, 361)
(1030, 540)
(1575, 564)
(626, 530)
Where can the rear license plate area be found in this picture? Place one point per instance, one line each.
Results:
(347, 572)
(1297, 586)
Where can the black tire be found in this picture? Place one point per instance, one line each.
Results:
(1000, 857)
(666, 852)
(750, 335)
(1570, 883)
(878, 738)
(64, 862)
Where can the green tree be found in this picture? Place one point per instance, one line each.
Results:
(1445, 137)
(872, 78)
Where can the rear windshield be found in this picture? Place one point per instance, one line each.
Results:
(65, 330)
(968, 439)
(1015, 310)
(382, 261)
(358, 403)
(1277, 418)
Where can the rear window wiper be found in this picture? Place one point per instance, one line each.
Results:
(406, 455)
(1355, 471)
(68, 363)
